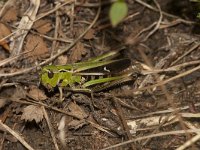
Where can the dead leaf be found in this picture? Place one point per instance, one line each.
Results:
(5, 45)
(31, 113)
(4, 31)
(9, 11)
(76, 124)
(3, 102)
(42, 26)
(90, 34)
(18, 92)
(62, 60)
(76, 110)
(10, 15)
(37, 44)
(37, 94)
(77, 52)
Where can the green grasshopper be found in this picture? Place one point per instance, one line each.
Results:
(93, 75)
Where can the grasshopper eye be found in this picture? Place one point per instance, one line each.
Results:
(50, 74)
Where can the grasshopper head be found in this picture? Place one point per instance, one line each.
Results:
(49, 77)
(52, 76)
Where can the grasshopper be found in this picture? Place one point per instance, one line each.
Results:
(93, 75)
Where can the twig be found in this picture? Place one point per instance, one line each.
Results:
(190, 141)
(166, 120)
(86, 4)
(186, 53)
(166, 93)
(16, 135)
(53, 47)
(103, 129)
(72, 18)
(2, 140)
(10, 59)
(161, 134)
(38, 17)
(56, 55)
(171, 69)
(170, 24)
(168, 80)
(170, 110)
(53, 10)
(8, 4)
(51, 130)
(164, 13)
(121, 116)
(160, 65)
(53, 39)
(158, 23)
(25, 25)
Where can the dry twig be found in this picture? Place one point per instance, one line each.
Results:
(51, 130)
(16, 135)
(24, 26)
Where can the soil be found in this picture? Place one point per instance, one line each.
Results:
(156, 107)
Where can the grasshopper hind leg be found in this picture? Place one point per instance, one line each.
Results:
(109, 85)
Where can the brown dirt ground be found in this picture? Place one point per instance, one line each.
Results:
(151, 112)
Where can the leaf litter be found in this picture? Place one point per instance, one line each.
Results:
(90, 34)
(37, 45)
(37, 94)
(77, 52)
(42, 26)
(30, 97)
(4, 32)
(32, 113)
(9, 11)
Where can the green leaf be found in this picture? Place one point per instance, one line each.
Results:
(118, 12)
(198, 15)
